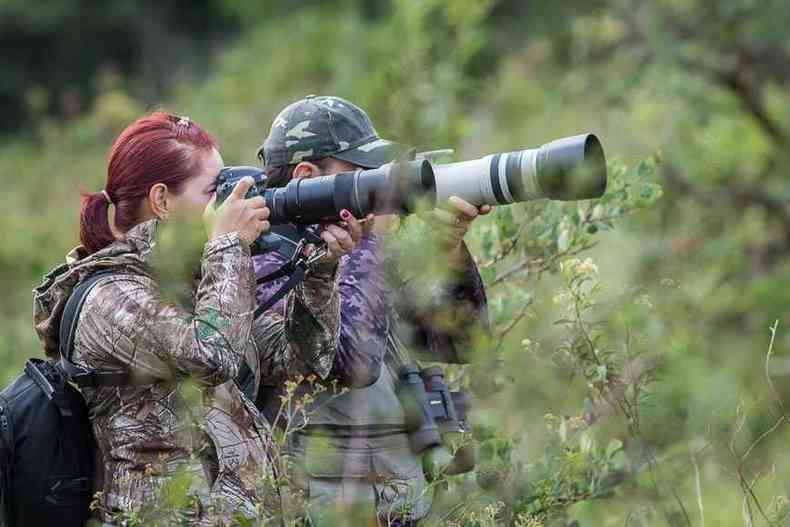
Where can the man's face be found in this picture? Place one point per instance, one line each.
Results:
(324, 167)
(335, 166)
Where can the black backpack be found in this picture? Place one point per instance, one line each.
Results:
(47, 463)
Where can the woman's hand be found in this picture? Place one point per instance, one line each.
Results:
(342, 239)
(237, 214)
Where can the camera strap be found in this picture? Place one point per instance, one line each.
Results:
(297, 266)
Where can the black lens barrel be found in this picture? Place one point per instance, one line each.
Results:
(390, 189)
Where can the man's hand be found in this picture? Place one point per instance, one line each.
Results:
(341, 238)
(384, 224)
(452, 222)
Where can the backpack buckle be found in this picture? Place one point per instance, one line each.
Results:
(85, 378)
(96, 378)
(33, 370)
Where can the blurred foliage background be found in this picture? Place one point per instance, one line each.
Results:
(688, 257)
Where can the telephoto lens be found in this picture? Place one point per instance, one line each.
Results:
(571, 168)
(393, 188)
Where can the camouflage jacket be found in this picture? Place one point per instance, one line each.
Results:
(148, 433)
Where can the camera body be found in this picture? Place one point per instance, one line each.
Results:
(227, 180)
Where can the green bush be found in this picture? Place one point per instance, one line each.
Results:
(627, 381)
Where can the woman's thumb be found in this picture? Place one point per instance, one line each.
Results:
(242, 187)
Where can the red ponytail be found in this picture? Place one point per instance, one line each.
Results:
(95, 232)
(158, 148)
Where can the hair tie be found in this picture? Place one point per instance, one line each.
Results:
(106, 196)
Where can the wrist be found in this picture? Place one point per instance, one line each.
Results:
(224, 241)
(324, 269)
(457, 255)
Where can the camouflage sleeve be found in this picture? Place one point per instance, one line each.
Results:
(363, 315)
(154, 338)
(304, 339)
(444, 326)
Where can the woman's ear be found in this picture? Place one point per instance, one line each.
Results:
(306, 169)
(158, 201)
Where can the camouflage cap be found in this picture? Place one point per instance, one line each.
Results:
(322, 126)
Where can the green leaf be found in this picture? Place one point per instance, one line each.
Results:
(614, 446)
(644, 169)
(563, 240)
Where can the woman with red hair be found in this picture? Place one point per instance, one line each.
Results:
(162, 169)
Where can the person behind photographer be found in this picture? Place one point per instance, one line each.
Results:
(161, 171)
(365, 462)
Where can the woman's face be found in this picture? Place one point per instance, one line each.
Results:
(183, 233)
(198, 190)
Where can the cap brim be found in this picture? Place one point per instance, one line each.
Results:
(371, 155)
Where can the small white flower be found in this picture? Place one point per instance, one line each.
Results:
(561, 298)
(587, 267)
(644, 300)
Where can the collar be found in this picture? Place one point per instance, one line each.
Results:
(139, 240)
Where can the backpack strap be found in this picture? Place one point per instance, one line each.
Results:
(88, 378)
(245, 380)
(7, 453)
(7, 442)
(83, 377)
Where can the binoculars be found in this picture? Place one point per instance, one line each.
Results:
(571, 168)
(434, 414)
